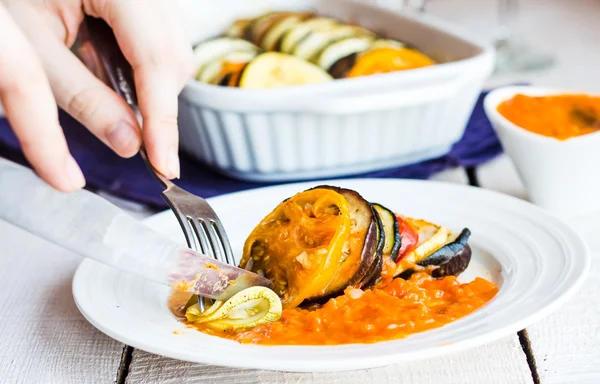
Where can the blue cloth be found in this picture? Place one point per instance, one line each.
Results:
(129, 178)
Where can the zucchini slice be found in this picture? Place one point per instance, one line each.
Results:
(245, 309)
(213, 49)
(301, 30)
(360, 250)
(272, 37)
(391, 229)
(318, 39)
(263, 24)
(273, 69)
(340, 49)
(213, 71)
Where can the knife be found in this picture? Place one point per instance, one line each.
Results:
(93, 227)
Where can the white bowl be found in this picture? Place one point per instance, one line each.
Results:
(340, 127)
(560, 176)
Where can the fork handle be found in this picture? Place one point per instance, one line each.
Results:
(102, 55)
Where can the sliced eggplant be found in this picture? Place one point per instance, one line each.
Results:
(301, 30)
(451, 260)
(274, 69)
(213, 49)
(340, 49)
(374, 272)
(391, 228)
(360, 250)
(318, 39)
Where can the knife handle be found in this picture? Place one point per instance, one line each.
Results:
(83, 223)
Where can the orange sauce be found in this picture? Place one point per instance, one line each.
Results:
(560, 116)
(389, 311)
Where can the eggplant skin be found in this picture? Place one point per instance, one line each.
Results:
(456, 265)
(225, 79)
(340, 68)
(377, 265)
(452, 259)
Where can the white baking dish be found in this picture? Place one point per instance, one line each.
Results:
(341, 127)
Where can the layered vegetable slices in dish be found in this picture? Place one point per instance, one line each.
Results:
(293, 48)
(344, 270)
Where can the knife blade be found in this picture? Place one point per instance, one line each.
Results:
(93, 227)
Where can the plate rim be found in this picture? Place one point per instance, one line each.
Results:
(364, 362)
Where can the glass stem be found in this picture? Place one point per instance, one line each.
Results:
(507, 17)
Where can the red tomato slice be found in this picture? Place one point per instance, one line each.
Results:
(409, 236)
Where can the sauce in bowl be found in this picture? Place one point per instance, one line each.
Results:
(558, 116)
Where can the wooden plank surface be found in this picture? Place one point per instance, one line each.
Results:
(566, 344)
(500, 362)
(44, 338)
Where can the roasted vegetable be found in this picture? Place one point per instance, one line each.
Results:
(301, 30)
(452, 259)
(301, 244)
(431, 238)
(360, 250)
(272, 69)
(272, 37)
(262, 25)
(342, 48)
(384, 60)
(391, 229)
(317, 40)
(245, 309)
(340, 68)
(211, 50)
(238, 28)
(374, 272)
(409, 238)
(213, 71)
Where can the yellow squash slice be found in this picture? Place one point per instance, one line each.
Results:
(299, 245)
(272, 69)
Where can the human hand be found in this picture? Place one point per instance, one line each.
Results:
(152, 41)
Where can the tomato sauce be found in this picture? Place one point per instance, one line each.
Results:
(560, 116)
(392, 310)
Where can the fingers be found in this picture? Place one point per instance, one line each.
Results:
(31, 110)
(155, 44)
(90, 101)
(77, 90)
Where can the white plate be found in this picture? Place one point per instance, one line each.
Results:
(537, 260)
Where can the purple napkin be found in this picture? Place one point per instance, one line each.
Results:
(129, 178)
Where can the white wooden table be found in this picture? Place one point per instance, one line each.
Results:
(44, 339)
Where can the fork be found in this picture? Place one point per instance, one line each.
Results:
(201, 226)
